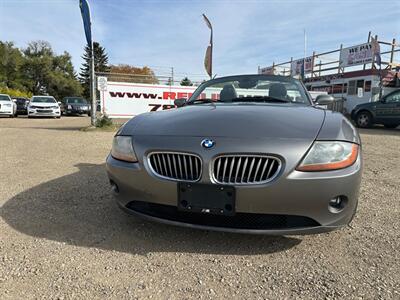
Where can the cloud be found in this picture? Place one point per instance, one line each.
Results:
(173, 33)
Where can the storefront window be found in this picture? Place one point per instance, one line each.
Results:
(368, 86)
(352, 90)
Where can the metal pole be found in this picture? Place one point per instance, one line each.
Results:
(391, 61)
(92, 88)
(211, 54)
(368, 40)
(304, 59)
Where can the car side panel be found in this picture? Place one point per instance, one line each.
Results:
(338, 127)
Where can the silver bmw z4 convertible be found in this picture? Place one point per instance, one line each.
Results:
(248, 153)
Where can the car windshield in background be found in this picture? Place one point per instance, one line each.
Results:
(76, 101)
(4, 98)
(251, 89)
(43, 100)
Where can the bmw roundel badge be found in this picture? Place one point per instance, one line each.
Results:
(207, 143)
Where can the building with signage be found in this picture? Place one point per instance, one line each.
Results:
(357, 74)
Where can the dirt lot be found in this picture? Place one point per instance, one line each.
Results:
(62, 236)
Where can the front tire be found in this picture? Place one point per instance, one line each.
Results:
(364, 119)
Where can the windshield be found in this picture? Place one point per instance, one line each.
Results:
(43, 100)
(251, 89)
(75, 101)
(4, 98)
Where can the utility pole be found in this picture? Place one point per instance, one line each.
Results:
(304, 58)
(92, 88)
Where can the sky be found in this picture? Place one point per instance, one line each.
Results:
(165, 34)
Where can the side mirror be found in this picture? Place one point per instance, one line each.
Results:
(383, 100)
(324, 99)
(180, 102)
(59, 102)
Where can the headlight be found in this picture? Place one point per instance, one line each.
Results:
(122, 149)
(327, 156)
(31, 107)
(7, 105)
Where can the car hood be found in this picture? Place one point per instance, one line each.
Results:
(235, 121)
(6, 102)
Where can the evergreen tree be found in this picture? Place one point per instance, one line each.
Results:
(100, 65)
(186, 82)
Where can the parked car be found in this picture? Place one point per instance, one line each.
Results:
(22, 105)
(7, 106)
(248, 153)
(75, 106)
(44, 106)
(386, 111)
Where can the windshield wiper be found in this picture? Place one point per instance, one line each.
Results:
(200, 101)
(259, 99)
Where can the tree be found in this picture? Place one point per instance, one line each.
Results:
(100, 65)
(47, 73)
(127, 73)
(10, 66)
(186, 82)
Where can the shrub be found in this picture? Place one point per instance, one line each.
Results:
(104, 121)
(14, 92)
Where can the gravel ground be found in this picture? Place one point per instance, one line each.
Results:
(62, 236)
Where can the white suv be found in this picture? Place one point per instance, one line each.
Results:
(7, 106)
(44, 106)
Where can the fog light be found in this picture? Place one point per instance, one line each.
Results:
(337, 204)
(114, 187)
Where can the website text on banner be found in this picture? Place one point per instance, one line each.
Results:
(123, 100)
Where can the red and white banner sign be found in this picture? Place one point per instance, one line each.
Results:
(267, 71)
(124, 99)
(297, 65)
(357, 55)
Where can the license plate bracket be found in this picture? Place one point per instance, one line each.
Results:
(206, 198)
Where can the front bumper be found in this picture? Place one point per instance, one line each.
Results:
(5, 110)
(77, 111)
(292, 194)
(6, 113)
(22, 111)
(44, 112)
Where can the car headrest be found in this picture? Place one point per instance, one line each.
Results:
(227, 93)
(277, 90)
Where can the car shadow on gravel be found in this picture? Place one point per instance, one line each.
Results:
(78, 209)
